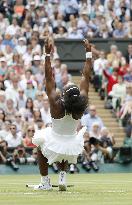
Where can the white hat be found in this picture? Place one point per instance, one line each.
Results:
(41, 5)
(36, 58)
(3, 59)
(22, 39)
(32, 3)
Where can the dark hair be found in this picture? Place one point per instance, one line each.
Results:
(29, 99)
(74, 103)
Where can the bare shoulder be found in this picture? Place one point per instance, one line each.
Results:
(56, 106)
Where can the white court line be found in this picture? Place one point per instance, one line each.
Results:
(76, 182)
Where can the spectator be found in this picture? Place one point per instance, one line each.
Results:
(13, 139)
(27, 112)
(95, 131)
(10, 109)
(120, 31)
(5, 130)
(112, 79)
(90, 118)
(45, 111)
(21, 99)
(2, 118)
(128, 75)
(30, 91)
(129, 53)
(118, 93)
(99, 66)
(27, 141)
(2, 99)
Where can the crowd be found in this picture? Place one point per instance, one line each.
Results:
(63, 19)
(24, 106)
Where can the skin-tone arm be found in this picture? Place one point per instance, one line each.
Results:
(50, 82)
(84, 85)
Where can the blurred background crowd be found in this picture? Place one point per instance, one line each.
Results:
(24, 105)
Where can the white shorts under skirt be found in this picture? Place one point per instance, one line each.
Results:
(57, 147)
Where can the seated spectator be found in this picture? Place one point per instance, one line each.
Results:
(2, 99)
(129, 53)
(27, 111)
(120, 32)
(130, 30)
(10, 109)
(39, 124)
(112, 79)
(99, 66)
(21, 99)
(5, 130)
(4, 23)
(19, 122)
(13, 139)
(19, 8)
(3, 152)
(71, 8)
(112, 55)
(61, 33)
(36, 115)
(2, 118)
(12, 90)
(21, 46)
(27, 77)
(13, 28)
(90, 118)
(38, 102)
(95, 131)
(27, 141)
(17, 64)
(30, 91)
(128, 75)
(118, 93)
(45, 111)
(3, 67)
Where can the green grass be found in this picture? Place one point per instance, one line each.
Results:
(90, 189)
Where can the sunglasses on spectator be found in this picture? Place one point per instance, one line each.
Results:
(18, 116)
(92, 110)
(31, 130)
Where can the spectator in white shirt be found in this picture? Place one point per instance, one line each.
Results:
(6, 130)
(21, 47)
(45, 112)
(99, 66)
(12, 29)
(13, 139)
(21, 99)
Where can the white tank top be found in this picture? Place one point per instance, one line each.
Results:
(65, 126)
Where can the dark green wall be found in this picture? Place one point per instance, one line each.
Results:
(72, 52)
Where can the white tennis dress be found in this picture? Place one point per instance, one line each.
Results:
(61, 141)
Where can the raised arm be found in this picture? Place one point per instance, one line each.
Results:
(50, 82)
(84, 84)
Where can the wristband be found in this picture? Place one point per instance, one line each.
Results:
(88, 55)
(47, 54)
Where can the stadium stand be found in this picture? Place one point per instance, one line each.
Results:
(24, 106)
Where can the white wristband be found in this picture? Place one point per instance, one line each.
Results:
(88, 55)
(47, 54)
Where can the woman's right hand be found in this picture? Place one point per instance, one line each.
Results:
(48, 46)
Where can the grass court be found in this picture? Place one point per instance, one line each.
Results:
(89, 189)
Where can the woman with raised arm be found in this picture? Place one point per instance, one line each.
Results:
(61, 143)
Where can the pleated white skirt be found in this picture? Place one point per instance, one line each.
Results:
(57, 147)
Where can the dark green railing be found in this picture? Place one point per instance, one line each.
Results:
(72, 51)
